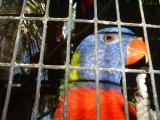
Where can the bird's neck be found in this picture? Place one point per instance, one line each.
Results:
(106, 85)
(92, 84)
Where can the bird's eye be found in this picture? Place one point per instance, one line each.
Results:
(108, 38)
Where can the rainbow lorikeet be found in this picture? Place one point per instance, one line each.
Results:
(81, 87)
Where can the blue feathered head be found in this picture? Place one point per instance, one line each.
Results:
(108, 54)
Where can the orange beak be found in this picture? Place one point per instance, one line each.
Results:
(136, 50)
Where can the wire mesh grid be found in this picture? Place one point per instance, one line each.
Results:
(46, 18)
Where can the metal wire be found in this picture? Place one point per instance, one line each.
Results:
(12, 65)
(80, 21)
(150, 61)
(38, 85)
(70, 20)
(122, 62)
(1, 1)
(67, 66)
(55, 67)
(96, 56)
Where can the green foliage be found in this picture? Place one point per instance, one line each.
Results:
(35, 7)
(10, 6)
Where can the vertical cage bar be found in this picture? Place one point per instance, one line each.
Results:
(40, 64)
(122, 62)
(155, 98)
(1, 1)
(96, 67)
(12, 66)
(70, 20)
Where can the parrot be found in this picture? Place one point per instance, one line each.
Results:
(81, 100)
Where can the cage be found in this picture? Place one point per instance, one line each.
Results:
(38, 39)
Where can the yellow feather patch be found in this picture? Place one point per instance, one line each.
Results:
(73, 74)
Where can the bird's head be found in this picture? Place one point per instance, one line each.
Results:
(108, 54)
